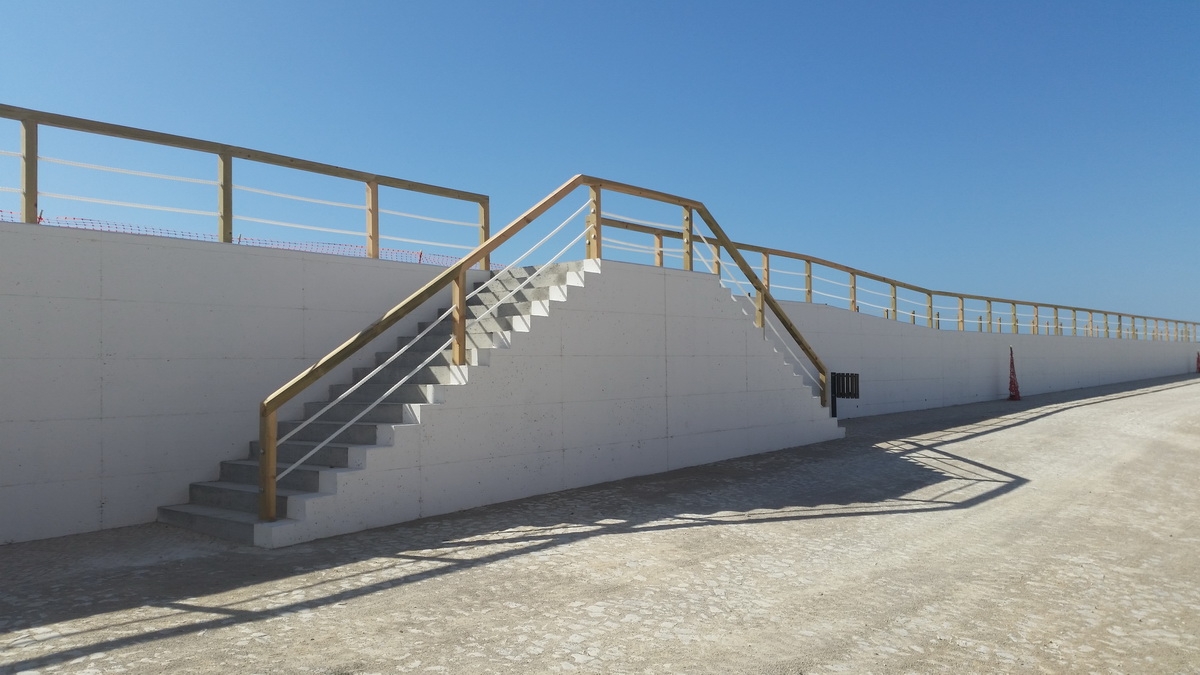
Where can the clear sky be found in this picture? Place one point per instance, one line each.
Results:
(1040, 150)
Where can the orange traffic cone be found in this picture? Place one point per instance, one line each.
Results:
(1014, 392)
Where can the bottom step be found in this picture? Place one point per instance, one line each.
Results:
(236, 526)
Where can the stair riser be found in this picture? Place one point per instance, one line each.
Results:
(384, 413)
(369, 392)
(475, 340)
(434, 374)
(490, 324)
(527, 294)
(356, 434)
(507, 310)
(306, 480)
(336, 456)
(236, 500)
(241, 533)
(547, 278)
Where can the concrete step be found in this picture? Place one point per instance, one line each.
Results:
(372, 390)
(490, 324)
(333, 455)
(508, 309)
(493, 295)
(355, 434)
(475, 339)
(236, 526)
(236, 496)
(384, 413)
(304, 478)
(554, 275)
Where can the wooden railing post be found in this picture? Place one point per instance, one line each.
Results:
(989, 315)
(687, 238)
(1057, 325)
(485, 232)
(1074, 322)
(1015, 321)
(658, 250)
(759, 316)
(372, 219)
(895, 315)
(458, 289)
(716, 254)
(267, 461)
(29, 171)
(853, 293)
(1107, 334)
(808, 281)
(1120, 327)
(593, 223)
(961, 315)
(225, 197)
(1036, 328)
(929, 310)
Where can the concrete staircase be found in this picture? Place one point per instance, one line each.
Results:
(228, 507)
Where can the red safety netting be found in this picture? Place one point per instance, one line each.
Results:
(350, 250)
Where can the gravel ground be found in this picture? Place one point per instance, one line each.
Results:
(1058, 534)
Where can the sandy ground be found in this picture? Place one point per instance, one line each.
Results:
(1059, 534)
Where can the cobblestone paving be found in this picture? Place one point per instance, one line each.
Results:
(1057, 535)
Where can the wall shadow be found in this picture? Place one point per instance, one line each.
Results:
(897, 463)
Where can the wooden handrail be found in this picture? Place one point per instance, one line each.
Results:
(233, 151)
(675, 234)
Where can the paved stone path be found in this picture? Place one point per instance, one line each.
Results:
(1059, 534)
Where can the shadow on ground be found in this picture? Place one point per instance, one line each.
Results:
(898, 463)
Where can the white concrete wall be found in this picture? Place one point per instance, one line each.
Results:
(907, 367)
(130, 366)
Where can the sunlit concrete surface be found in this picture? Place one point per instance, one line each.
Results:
(1058, 534)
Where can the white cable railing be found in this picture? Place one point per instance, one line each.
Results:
(725, 273)
(434, 354)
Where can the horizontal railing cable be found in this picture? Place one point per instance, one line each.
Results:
(429, 218)
(651, 223)
(128, 172)
(298, 198)
(426, 243)
(298, 226)
(134, 205)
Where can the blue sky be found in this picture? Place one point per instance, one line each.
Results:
(1040, 150)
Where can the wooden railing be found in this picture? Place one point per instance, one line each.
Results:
(1095, 322)
(31, 120)
(455, 277)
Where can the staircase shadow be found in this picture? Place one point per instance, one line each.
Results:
(899, 463)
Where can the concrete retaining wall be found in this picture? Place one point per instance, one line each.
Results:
(131, 365)
(907, 367)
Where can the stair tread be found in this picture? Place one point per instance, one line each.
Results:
(281, 465)
(250, 487)
(214, 512)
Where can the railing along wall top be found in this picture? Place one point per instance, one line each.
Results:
(959, 318)
(30, 120)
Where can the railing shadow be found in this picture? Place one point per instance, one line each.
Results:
(898, 463)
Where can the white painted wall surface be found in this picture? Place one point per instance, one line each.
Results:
(130, 366)
(907, 367)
